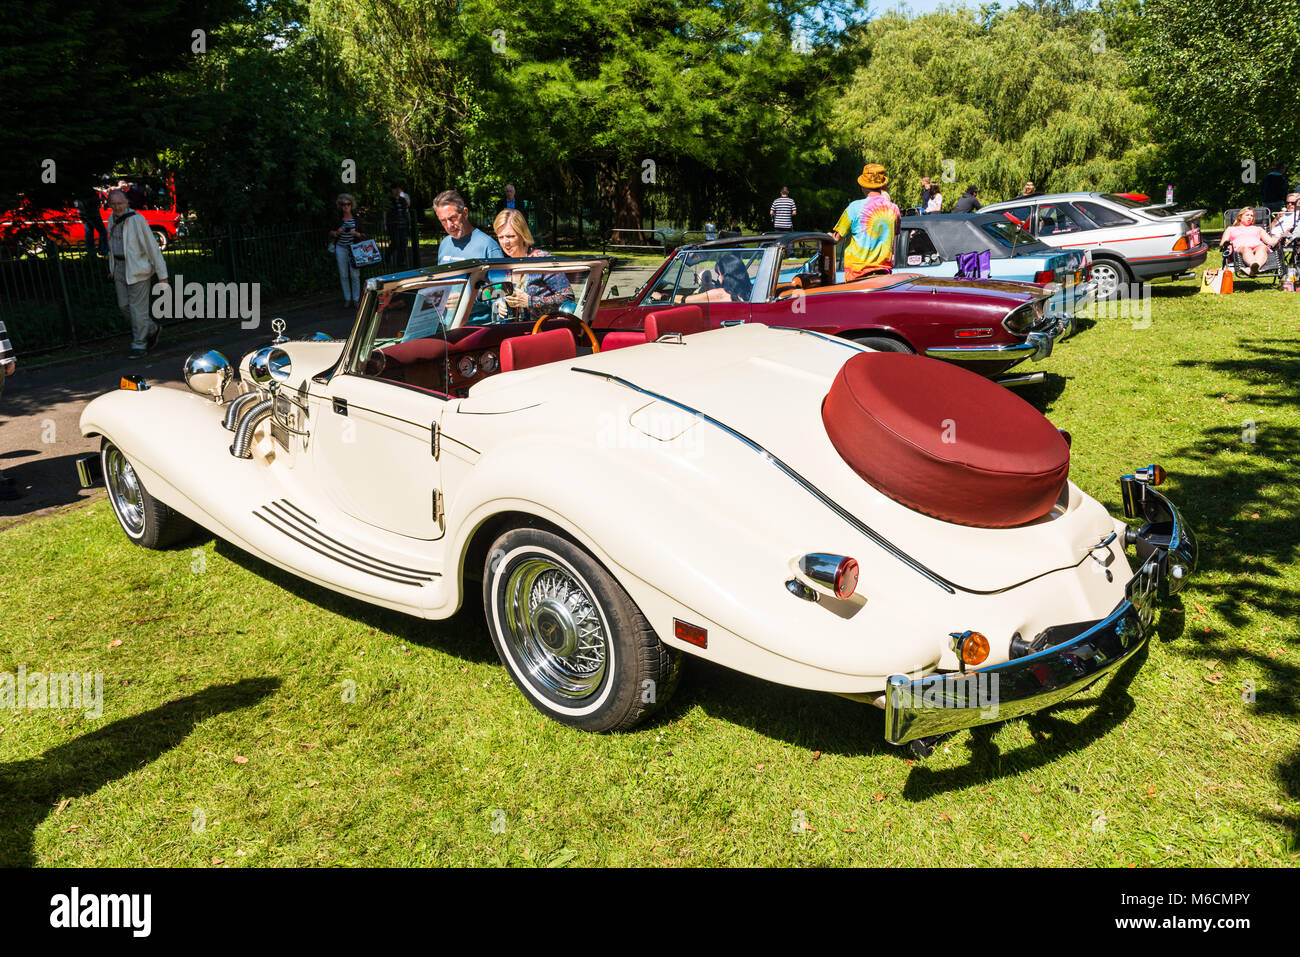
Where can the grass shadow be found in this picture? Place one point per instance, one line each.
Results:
(30, 790)
(1053, 738)
(464, 634)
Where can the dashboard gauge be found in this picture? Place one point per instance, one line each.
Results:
(467, 366)
(489, 362)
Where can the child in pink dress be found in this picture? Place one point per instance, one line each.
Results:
(1251, 242)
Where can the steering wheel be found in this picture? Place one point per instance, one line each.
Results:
(595, 346)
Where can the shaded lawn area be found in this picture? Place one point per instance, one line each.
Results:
(250, 718)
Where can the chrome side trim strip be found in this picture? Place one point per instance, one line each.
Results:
(791, 473)
(846, 343)
(949, 586)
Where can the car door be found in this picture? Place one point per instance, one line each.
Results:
(375, 444)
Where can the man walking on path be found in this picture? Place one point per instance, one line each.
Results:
(783, 211)
(133, 260)
(870, 224)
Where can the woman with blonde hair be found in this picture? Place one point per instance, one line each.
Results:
(1249, 241)
(541, 292)
(343, 234)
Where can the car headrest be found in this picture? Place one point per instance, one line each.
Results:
(524, 352)
(621, 339)
(681, 319)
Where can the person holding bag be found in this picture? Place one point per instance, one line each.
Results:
(344, 234)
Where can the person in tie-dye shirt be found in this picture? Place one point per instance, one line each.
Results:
(870, 224)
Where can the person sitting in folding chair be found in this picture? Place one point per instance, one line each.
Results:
(1249, 242)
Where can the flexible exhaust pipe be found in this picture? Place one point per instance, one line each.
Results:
(242, 448)
(236, 408)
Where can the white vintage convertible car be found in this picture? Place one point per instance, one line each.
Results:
(792, 505)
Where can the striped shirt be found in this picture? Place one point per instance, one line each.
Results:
(6, 350)
(783, 212)
(346, 228)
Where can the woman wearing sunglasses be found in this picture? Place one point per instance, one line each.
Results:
(344, 234)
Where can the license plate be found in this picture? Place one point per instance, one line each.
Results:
(1141, 590)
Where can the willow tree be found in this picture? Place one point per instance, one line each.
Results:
(993, 103)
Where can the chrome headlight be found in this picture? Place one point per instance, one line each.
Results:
(208, 373)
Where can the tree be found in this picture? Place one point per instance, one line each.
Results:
(275, 135)
(1224, 76)
(994, 104)
(90, 83)
(696, 106)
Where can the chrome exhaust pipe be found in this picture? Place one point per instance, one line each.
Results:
(236, 408)
(1013, 381)
(242, 447)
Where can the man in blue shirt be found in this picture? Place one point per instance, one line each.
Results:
(463, 241)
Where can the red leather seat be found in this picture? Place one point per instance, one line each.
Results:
(524, 352)
(680, 319)
(945, 441)
(621, 339)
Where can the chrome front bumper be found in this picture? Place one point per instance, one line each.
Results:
(1037, 345)
(1064, 659)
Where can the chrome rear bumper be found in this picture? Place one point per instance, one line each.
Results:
(1064, 659)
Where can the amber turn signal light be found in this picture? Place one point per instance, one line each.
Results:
(972, 648)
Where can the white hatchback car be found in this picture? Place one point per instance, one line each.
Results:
(1128, 241)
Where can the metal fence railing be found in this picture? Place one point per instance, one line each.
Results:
(65, 297)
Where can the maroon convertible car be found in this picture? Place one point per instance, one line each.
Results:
(788, 279)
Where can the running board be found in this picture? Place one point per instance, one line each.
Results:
(303, 529)
(1014, 381)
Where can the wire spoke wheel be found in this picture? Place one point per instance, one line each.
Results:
(125, 490)
(569, 635)
(554, 628)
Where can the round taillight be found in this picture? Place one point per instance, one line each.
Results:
(846, 578)
(973, 648)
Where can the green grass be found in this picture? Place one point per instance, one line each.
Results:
(439, 760)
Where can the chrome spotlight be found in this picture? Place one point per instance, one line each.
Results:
(208, 373)
(269, 364)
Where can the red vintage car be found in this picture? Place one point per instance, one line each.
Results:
(28, 229)
(788, 279)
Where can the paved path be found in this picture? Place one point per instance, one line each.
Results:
(40, 410)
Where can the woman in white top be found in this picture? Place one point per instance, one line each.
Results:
(935, 203)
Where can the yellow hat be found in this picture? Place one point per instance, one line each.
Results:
(873, 177)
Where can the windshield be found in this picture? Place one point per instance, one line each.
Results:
(407, 314)
(708, 274)
(525, 293)
(1008, 234)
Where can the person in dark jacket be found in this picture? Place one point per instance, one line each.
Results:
(968, 202)
(8, 365)
(399, 225)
